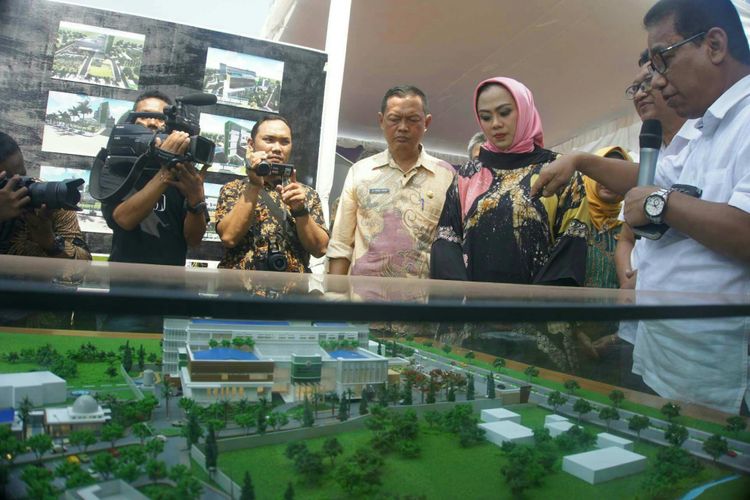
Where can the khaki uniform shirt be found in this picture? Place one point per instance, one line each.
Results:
(386, 218)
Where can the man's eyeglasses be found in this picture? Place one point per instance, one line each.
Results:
(659, 63)
(644, 86)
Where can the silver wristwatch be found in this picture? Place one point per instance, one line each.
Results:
(656, 205)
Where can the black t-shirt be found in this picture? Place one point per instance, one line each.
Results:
(158, 239)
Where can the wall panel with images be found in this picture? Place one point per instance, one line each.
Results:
(69, 73)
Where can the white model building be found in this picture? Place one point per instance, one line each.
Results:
(42, 388)
(505, 430)
(85, 414)
(287, 359)
(604, 464)
(500, 414)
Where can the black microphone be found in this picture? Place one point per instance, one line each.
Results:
(205, 99)
(650, 143)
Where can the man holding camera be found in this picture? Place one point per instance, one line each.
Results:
(265, 223)
(165, 213)
(31, 232)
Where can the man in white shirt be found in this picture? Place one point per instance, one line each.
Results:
(701, 60)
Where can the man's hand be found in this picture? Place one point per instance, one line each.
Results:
(293, 194)
(633, 208)
(12, 201)
(39, 228)
(253, 158)
(177, 143)
(555, 176)
(189, 181)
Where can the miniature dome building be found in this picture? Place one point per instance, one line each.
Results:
(85, 413)
(85, 405)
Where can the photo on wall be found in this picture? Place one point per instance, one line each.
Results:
(230, 136)
(78, 124)
(100, 56)
(90, 218)
(212, 197)
(244, 80)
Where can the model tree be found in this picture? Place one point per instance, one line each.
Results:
(617, 397)
(156, 469)
(676, 434)
(363, 410)
(141, 357)
(187, 486)
(582, 407)
(111, 432)
(470, 389)
(289, 492)
(343, 409)
(104, 464)
(128, 471)
(407, 393)
(608, 414)
(447, 348)
(470, 355)
(531, 372)
(736, 424)
(715, 446)
(166, 393)
(24, 409)
(522, 470)
(212, 449)
(82, 438)
(38, 482)
(671, 411)
(332, 448)
(248, 491)
(498, 364)
(192, 432)
(571, 386)
(431, 391)
(141, 430)
(490, 386)
(308, 420)
(111, 371)
(638, 423)
(556, 399)
(154, 447)
(127, 357)
(39, 444)
(213, 343)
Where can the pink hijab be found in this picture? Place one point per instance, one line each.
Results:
(528, 134)
(529, 127)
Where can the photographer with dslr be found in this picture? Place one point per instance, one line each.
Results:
(164, 213)
(32, 232)
(265, 223)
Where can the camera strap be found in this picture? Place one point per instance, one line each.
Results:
(275, 210)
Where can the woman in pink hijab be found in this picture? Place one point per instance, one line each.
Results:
(490, 228)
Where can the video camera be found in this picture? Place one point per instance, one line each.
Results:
(265, 168)
(63, 194)
(132, 148)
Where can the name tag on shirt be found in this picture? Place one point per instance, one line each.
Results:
(379, 191)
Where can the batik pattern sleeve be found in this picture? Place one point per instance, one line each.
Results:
(315, 207)
(446, 257)
(228, 196)
(341, 245)
(566, 264)
(65, 224)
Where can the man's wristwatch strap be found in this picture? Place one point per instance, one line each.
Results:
(300, 212)
(199, 207)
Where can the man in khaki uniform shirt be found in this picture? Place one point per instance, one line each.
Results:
(391, 202)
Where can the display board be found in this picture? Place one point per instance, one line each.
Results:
(69, 73)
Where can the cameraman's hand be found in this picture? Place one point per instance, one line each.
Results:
(253, 158)
(39, 227)
(177, 143)
(293, 194)
(12, 201)
(189, 181)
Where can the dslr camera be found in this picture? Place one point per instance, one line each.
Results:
(132, 148)
(55, 195)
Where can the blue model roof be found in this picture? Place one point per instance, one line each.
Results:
(224, 354)
(238, 322)
(346, 354)
(6, 415)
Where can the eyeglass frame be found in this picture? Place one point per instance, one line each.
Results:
(660, 53)
(644, 86)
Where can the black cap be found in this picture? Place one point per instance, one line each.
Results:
(650, 134)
